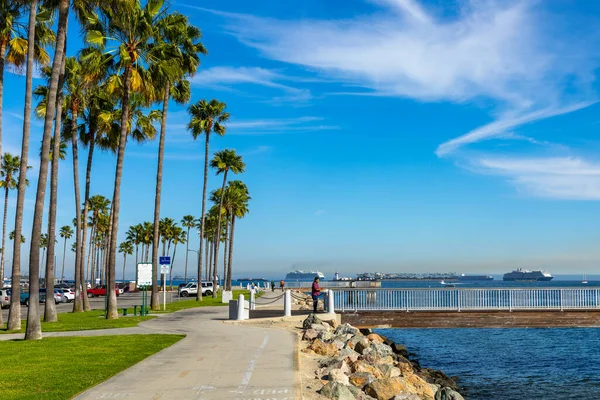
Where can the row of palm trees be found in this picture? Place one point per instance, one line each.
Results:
(135, 56)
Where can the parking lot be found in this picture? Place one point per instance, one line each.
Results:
(124, 300)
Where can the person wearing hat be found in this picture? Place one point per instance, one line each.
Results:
(316, 291)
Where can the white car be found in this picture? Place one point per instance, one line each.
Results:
(69, 295)
(191, 289)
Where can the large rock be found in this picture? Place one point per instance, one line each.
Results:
(406, 396)
(320, 327)
(345, 329)
(349, 354)
(363, 366)
(405, 367)
(386, 388)
(415, 384)
(438, 377)
(359, 394)
(310, 320)
(309, 334)
(323, 349)
(389, 371)
(448, 394)
(337, 391)
(362, 345)
(339, 376)
(373, 337)
(360, 379)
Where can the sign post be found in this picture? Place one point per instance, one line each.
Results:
(165, 263)
(144, 279)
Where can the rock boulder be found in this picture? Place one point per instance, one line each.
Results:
(448, 394)
(336, 391)
(323, 349)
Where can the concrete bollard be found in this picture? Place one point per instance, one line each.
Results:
(252, 297)
(330, 302)
(287, 304)
(241, 312)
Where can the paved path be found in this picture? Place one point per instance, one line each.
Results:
(216, 360)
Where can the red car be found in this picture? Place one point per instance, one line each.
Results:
(100, 290)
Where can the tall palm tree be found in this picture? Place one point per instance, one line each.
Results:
(130, 27)
(189, 222)
(206, 118)
(239, 197)
(134, 236)
(14, 316)
(126, 248)
(179, 236)
(34, 329)
(66, 232)
(176, 54)
(9, 174)
(14, 43)
(43, 244)
(224, 161)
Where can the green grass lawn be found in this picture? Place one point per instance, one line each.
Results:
(207, 301)
(60, 368)
(83, 322)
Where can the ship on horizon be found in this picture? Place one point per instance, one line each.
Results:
(302, 276)
(465, 277)
(524, 275)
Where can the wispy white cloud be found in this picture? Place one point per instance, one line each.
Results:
(278, 126)
(551, 177)
(225, 78)
(257, 150)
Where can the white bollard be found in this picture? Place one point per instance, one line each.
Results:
(252, 303)
(330, 302)
(241, 311)
(287, 304)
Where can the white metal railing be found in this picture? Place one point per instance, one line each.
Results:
(445, 299)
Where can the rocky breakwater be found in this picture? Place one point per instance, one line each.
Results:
(355, 364)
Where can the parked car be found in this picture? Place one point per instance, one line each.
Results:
(123, 287)
(69, 294)
(4, 298)
(191, 289)
(62, 286)
(100, 290)
(24, 297)
(59, 296)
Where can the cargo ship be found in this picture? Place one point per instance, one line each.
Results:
(303, 276)
(524, 275)
(464, 277)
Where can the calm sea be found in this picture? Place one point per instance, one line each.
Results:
(511, 364)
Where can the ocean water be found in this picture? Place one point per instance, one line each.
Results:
(511, 364)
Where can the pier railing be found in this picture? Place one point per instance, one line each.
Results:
(445, 299)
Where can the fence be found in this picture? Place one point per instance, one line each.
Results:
(466, 299)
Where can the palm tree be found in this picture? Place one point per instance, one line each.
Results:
(66, 232)
(134, 236)
(179, 236)
(43, 244)
(34, 328)
(224, 161)
(239, 197)
(12, 235)
(9, 173)
(14, 316)
(207, 117)
(14, 44)
(126, 248)
(130, 28)
(176, 52)
(189, 222)
(99, 206)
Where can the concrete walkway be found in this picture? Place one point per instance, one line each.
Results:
(216, 360)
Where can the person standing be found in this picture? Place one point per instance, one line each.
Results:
(281, 284)
(316, 291)
(272, 286)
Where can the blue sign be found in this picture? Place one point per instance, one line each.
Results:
(165, 260)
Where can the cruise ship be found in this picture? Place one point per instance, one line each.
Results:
(523, 275)
(304, 275)
(464, 277)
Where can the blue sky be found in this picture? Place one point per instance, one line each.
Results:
(383, 135)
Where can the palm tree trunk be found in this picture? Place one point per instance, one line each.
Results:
(86, 206)
(218, 240)
(14, 316)
(212, 256)
(203, 219)
(225, 253)
(171, 269)
(187, 248)
(229, 264)
(50, 306)
(3, 241)
(112, 312)
(2, 63)
(159, 172)
(62, 275)
(91, 259)
(206, 272)
(34, 328)
(124, 263)
(80, 287)
(136, 262)
(3, 237)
